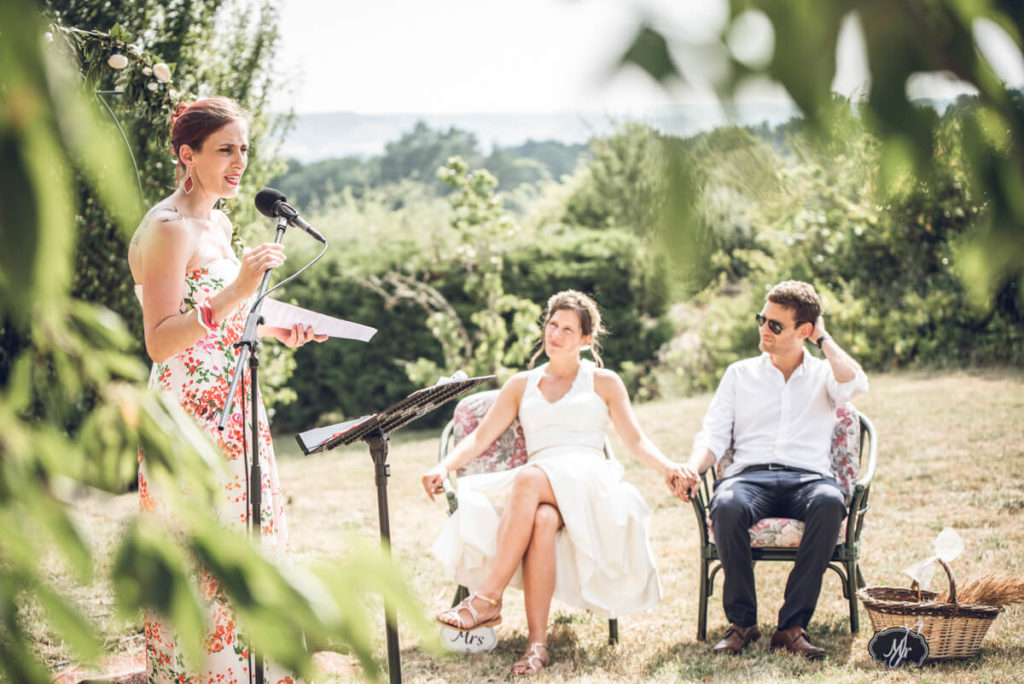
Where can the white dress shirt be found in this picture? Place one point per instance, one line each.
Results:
(767, 419)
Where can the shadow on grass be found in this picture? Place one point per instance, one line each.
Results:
(693, 660)
(835, 637)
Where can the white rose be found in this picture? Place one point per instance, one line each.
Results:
(162, 72)
(117, 61)
(146, 71)
(152, 86)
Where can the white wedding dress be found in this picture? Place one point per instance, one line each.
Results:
(603, 556)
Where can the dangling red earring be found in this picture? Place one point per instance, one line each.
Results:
(188, 185)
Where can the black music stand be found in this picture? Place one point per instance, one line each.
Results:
(374, 430)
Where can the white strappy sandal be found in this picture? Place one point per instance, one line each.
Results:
(453, 618)
(533, 661)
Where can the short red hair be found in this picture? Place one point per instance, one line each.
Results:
(191, 124)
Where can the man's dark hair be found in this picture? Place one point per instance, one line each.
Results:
(799, 297)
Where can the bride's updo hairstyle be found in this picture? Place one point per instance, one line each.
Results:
(590, 320)
(192, 123)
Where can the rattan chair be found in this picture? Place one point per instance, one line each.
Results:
(854, 456)
(508, 451)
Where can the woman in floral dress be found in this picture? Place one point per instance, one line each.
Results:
(195, 295)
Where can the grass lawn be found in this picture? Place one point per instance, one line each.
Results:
(951, 453)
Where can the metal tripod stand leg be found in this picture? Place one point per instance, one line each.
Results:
(378, 442)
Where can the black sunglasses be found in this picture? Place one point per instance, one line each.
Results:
(773, 325)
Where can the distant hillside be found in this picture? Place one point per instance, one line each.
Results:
(417, 155)
(344, 134)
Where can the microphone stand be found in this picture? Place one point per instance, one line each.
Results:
(248, 349)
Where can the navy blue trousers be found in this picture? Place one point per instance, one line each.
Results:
(740, 501)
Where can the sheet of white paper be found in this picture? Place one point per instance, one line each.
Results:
(283, 315)
(457, 376)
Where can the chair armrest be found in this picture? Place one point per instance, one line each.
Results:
(446, 437)
(448, 483)
(855, 516)
(451, 496)
(701, 505)
(862, 488)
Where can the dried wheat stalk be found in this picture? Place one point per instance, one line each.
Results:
(990, 589)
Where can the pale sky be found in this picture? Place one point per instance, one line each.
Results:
(537, 56)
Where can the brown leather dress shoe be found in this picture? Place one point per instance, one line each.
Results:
(794, 639)
(736, 638)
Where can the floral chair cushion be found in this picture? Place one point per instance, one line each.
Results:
(778, 532)
(845, 456)
(508, 451)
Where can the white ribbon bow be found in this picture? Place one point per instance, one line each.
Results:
(948, 545)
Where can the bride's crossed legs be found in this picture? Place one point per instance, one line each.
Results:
(526, 533)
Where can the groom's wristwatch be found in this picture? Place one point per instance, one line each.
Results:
(821, 340)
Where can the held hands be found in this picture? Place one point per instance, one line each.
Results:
(682, 480)
(433, 480)
(255, 262)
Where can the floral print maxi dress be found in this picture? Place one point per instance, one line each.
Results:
(199, 378)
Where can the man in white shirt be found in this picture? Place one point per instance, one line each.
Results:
(777, 411)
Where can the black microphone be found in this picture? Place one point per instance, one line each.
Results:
(273, 203)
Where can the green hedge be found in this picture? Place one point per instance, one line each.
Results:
(345, 379)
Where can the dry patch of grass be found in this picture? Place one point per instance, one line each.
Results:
(951, 454)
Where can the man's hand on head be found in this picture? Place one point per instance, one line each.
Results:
(819, 330)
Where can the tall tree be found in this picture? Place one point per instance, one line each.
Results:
(419, 153)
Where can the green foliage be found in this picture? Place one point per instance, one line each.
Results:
(73, 411)
(883, 252)
(650, 51)
(311, 185)
(419, 153)
(611, 265)
(649, 183)
(234, 61)
(389, 237)
(758, 206)
(736, 182)
(514, 170)
(533, 162)
(558, 158)
(344, 378)
(624, 183)
(901, 40)
(415, 157)
(505, 324)
(403, 265)
(717, 331)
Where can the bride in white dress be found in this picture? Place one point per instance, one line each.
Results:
(567, 507)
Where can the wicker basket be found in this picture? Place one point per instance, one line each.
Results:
(952, 630)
